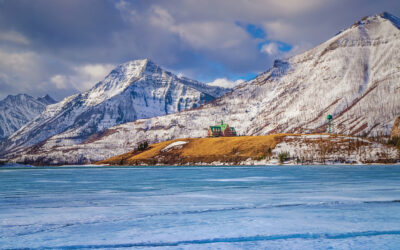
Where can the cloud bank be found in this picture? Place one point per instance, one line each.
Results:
(62, 47)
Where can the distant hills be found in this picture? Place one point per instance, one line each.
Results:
(354, 76)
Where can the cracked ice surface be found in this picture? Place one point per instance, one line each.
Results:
(201, 207)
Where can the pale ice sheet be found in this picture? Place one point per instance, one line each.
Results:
(270, 207)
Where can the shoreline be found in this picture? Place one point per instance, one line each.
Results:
(26, 166)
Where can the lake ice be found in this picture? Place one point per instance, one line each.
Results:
(273, 207)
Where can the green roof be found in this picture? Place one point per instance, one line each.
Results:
(215, 128)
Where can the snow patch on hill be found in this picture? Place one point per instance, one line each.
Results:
(174, 145)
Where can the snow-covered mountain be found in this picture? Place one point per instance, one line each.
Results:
(134, 90)
(17, 110)
(46, 100)
(354, 76)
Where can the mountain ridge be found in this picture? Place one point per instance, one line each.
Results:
(133, 90)
(17, 110)
(47, 99)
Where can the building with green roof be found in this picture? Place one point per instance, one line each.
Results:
(221, 130)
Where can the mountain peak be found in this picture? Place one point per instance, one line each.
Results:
(119, 79)
(47, 99)
(394, 19)
(16, 97)
(135, 68)
(133, 90)
(151, 67)
(378, 18)
(131, 67)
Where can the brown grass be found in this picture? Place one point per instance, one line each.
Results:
(234, 150)
(207, 150)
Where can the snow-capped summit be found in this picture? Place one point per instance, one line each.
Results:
(377, 25)
(133, 90)
(145, 70)
(376, 19)
(117, 81)
(17, 110)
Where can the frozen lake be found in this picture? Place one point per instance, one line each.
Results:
(273, 207)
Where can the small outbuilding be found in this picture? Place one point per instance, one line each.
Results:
(221, 130)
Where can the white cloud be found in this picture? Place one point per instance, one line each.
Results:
(83, 78)
(61, 81)
(199, 39)
(161, 17)
(31, 73)
(13, 37)
(201, 34)
(280, 30)
(14, 62)
(212, 35)
(270, 49)
(89, 74)
(248, 9)
(292, 7)
(20, 72)
(225, 83)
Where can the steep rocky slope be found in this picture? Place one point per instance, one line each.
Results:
(17, 110)
(134, 90)
(354, 76)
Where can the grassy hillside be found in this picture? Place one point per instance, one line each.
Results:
(269, 149)
(206, 150)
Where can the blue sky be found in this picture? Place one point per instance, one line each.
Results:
(64, 47)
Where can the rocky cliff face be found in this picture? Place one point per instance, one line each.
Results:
(354, 76)
(17, 110)
(134, 90)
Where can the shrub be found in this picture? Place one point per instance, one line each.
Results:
(283, 156)
(143, 146)
(235, 150)
(395, 141)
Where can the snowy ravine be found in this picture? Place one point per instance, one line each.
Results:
(134, 90)
(17, 110)
(354, 76)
